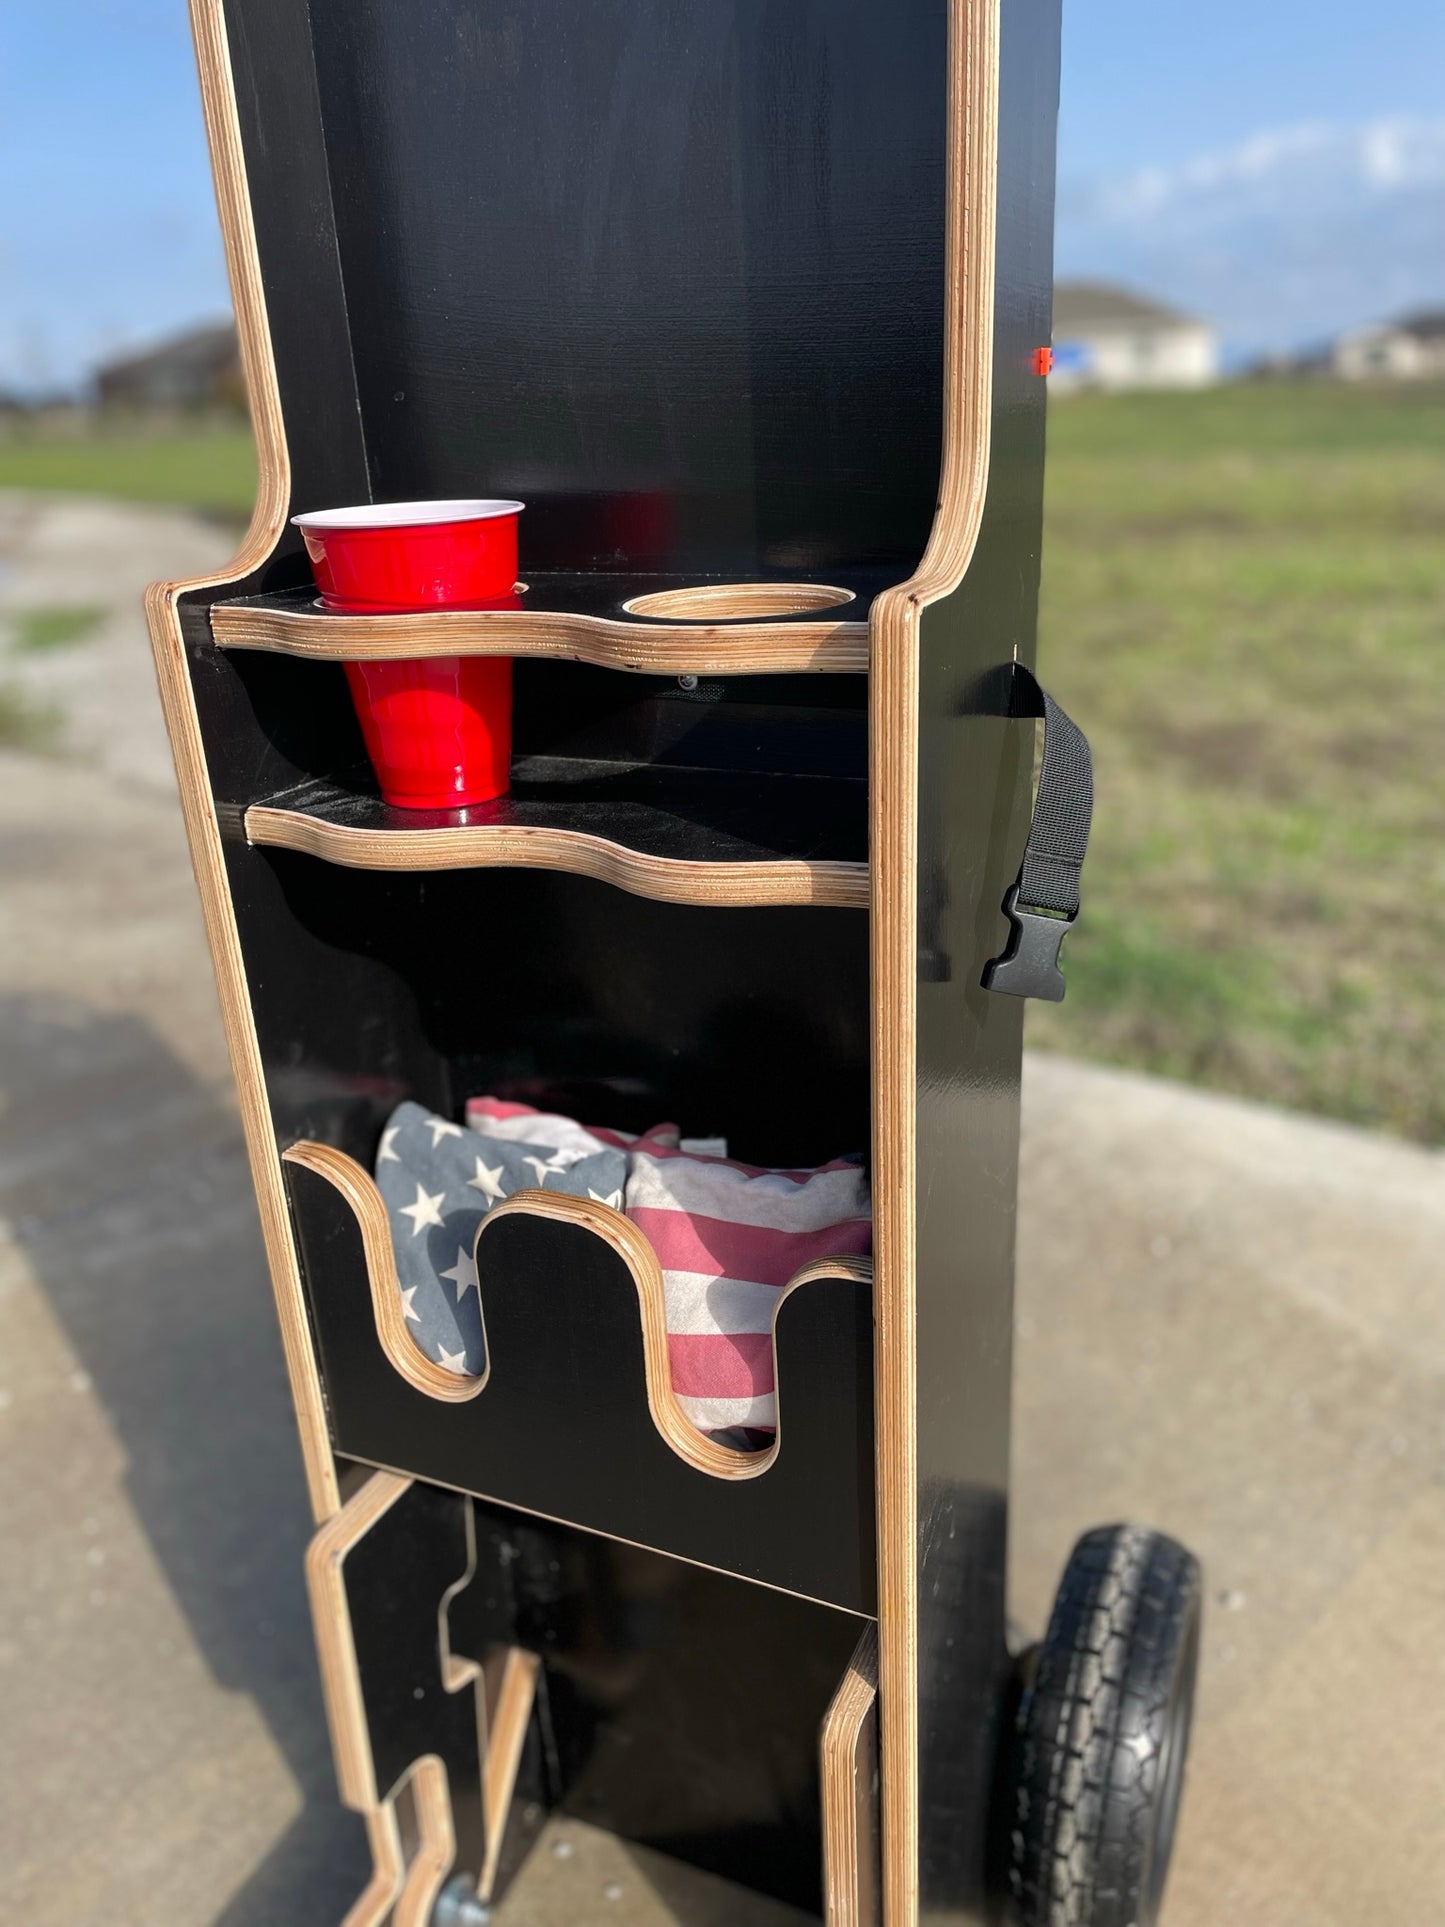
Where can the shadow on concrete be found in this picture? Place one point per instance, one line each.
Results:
(126, 1183)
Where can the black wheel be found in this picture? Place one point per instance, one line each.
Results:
(1103, 1728)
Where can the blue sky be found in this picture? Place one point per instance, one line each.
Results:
(1157, 82)
(1278, 165)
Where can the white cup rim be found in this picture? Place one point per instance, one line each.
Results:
(407, 515)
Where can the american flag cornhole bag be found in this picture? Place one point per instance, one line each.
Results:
(438, 1182)
(728, 1237)
(565, 1139)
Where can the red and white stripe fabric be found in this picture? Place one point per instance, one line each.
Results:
(728, 1237)
(565, 1141)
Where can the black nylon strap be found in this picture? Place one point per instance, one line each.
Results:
(1063, 812)
(1043, 902)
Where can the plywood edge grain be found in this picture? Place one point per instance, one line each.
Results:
(335, 1642)
(476, 846)
(848, 1761)
(432, 1862)
(397, 1891)
(894, 640)
(508, 1718)
(393, 1333)
(162, 604)
(643, 648)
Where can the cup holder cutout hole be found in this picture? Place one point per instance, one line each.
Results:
(738, 601)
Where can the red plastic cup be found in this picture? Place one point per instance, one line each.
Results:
(393, 556)
(438, 730)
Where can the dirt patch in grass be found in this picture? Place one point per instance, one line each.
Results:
(26, 723)
(39, 630)
(1244, 605)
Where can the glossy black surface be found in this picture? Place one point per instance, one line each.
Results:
(973, 817)
(554, 990)
(562, 1427)
(669, 270)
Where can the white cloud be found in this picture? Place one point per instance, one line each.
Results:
(1390, 153)
(1284, 237)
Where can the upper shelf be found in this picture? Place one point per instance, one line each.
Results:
(591, 618)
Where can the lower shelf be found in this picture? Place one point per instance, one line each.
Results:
(682, 836)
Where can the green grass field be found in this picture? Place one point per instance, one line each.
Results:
(1244, 605)
(214, 470)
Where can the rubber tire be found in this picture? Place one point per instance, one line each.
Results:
(1103, 1729)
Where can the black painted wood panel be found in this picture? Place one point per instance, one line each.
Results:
(562, 1427)
(671, 271)
(975, 764)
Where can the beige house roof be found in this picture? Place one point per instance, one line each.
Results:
(1080, 307)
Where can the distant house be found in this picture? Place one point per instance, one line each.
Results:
(1410, 349)
(1105, 337)
(198, 369)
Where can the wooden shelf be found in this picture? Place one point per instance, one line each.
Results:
(679, 835)
(579, 618)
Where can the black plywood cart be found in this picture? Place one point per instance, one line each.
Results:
(749, 301)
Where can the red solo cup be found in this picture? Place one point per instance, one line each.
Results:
(393, 556)
(438, 730)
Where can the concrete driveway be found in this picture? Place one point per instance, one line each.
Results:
(1231, 1323)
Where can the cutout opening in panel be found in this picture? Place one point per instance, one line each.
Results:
(738, 601)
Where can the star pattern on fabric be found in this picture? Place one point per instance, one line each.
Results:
(424, 1211)
(613, 1198)
(438, 1180)
(544, 1166)
(487, 1181)
(463, 1274)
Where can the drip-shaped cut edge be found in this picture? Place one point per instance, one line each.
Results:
(626, 1239)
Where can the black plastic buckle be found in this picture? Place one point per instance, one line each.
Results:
(1029, 966)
